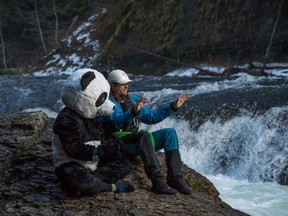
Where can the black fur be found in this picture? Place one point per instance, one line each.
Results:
(111, 149)
(86, 79)
(78, 180)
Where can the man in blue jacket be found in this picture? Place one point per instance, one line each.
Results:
(128, 113)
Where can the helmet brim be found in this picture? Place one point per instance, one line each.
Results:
(124, 81)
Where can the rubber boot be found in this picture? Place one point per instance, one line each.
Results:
(153, 172)
(174, 174)
(150, 161)
(159, 185)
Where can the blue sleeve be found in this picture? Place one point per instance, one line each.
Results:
(147, 115)
(151, 116)
(118, 117)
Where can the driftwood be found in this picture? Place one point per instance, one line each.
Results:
(252, 69)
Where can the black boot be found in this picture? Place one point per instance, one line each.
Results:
(174, 175)
(158, 183)
(161, 187)
(178, 183)
(151, 162)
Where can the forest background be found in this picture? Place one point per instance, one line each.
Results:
(143, 36)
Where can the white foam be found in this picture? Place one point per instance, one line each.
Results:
(256, 199)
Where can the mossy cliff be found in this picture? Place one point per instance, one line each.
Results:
(156, 36)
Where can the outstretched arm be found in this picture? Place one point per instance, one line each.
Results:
(151, 116)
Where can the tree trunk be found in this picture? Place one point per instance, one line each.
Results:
(272, 35)
(39, 27)
(56, 23)
(3, 47)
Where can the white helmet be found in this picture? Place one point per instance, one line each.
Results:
(118, 76)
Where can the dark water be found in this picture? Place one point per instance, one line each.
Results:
(21, 92)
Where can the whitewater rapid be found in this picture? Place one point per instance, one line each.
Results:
(240, 187)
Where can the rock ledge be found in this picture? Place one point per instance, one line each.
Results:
(28, 185)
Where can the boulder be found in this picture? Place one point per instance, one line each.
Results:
(28, 185)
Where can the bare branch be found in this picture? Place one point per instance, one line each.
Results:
(39, 27)
(3, 46)
(56, 23)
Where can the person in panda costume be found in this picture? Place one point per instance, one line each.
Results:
(84, 163)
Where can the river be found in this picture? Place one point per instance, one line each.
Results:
(232, 130)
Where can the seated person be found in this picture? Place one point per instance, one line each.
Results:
(129, 112)
(77, 143)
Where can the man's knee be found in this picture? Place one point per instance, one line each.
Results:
(170, 139)
(171, 132)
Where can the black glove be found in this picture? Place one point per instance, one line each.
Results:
(111, 149)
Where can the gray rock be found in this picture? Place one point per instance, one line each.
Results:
(28, 185)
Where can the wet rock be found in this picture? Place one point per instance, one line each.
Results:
(284, 176)
(28, 185)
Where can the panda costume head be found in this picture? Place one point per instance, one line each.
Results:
(86, 92)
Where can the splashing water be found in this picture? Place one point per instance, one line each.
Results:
(237, 156)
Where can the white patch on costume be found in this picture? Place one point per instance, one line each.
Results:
(95, 143)
(60, 157)
(106, 108)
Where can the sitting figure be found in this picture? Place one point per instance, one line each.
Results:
(124, 122)
(84, 163)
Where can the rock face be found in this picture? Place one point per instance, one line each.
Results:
(28, 185)
(137, 36)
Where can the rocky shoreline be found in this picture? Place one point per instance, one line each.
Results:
(28, 185)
